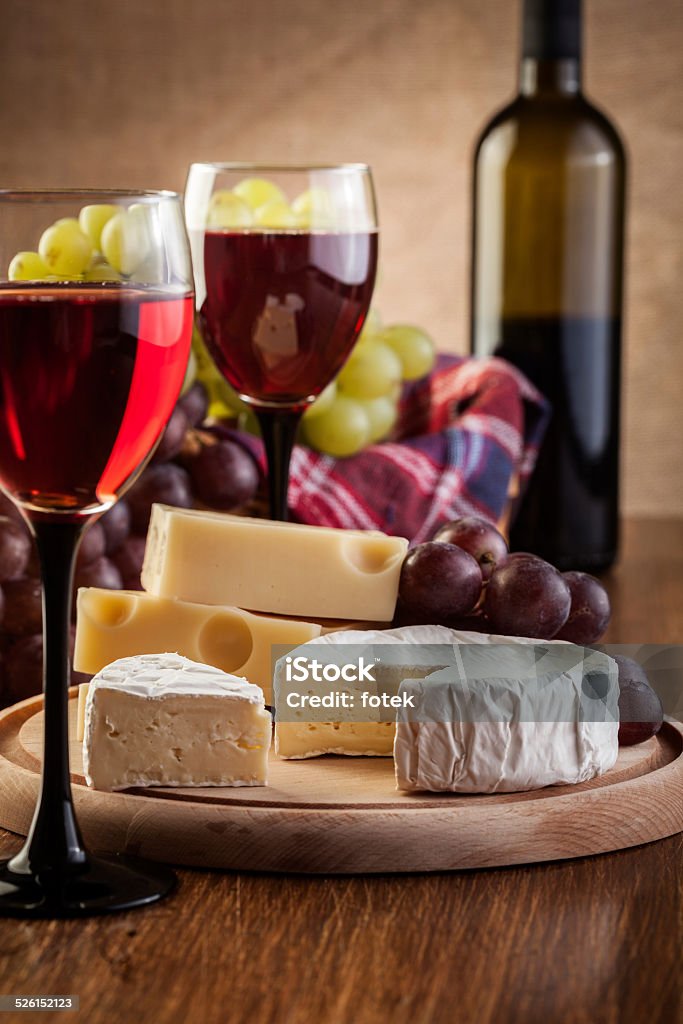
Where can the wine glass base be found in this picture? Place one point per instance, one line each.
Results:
(105, 885)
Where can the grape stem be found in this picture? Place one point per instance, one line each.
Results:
(54, 843)
(278, 429)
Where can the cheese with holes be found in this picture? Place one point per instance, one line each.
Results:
(282, 568)
(114, 624)
(163, 720)
(509, 719)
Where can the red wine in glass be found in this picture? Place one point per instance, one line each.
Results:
(281, 302)
(88, 378)
(89, 375)
(283, 309)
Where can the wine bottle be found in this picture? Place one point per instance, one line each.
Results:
(547, 269)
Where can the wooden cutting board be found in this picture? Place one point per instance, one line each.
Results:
(337, 815)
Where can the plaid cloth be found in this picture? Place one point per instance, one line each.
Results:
(464, 434)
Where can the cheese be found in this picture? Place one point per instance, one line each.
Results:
(300, 734)
(418, 651)
(163, 720)
(283, 568)
(504, 720)
(118, 624)
(80, 715)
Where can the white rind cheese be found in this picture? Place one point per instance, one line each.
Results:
(511, 726)
(163, 720)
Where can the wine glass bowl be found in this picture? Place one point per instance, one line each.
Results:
(96, 312)
(285, 260)
(91, 359)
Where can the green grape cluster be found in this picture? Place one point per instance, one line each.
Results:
(104, 243)
(360, 407)
(259, 203)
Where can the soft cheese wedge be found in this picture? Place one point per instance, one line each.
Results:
(163, 720)
(113, 624)
(282, 568)
(498, 722)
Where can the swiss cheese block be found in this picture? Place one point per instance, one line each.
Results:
(163, 720)
(283, 568)
(114, 624)
(500, 721)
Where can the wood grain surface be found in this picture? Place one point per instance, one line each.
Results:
(591, 941)
(342, 815)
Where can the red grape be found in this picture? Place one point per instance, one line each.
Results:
(439, 581)
(167, 484)
(116, 525)
(195, 404)
(128, 560)
(640, 709)
(590, 609)
(101, 573)
(93, 544)
(224, 475)
(479, 538)
(24, 668)
(173, 436)
(527, 597)
(15, 548)
(23, 606)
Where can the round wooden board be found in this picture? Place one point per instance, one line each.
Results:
(337, 815)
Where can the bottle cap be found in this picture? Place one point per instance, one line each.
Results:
(552, 29)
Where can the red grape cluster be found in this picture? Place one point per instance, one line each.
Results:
(466, 578)
(215, 473)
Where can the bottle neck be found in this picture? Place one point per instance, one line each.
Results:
(539, 76)
(551, 47)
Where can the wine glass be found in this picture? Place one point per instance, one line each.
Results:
(284, 262)
(95, 332)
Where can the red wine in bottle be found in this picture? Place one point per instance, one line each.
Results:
(547, 269)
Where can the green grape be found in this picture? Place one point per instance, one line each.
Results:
(27, 266)
(248, 422)
(371, 371)
(64, 249)
(382, 413)
(126, 241)
(414, 348)
(275, 214)
(101, 272)
(341, 430)
(257, 192)
(322, 402)
(314, 209)
(373, 322)
(190, 373)
(226, 210)
(93, 218)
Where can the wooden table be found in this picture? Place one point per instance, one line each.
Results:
(595, 941)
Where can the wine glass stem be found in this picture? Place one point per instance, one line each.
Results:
(278, 429)
(54, 842)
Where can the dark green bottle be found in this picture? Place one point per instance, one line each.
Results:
(547, 272)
